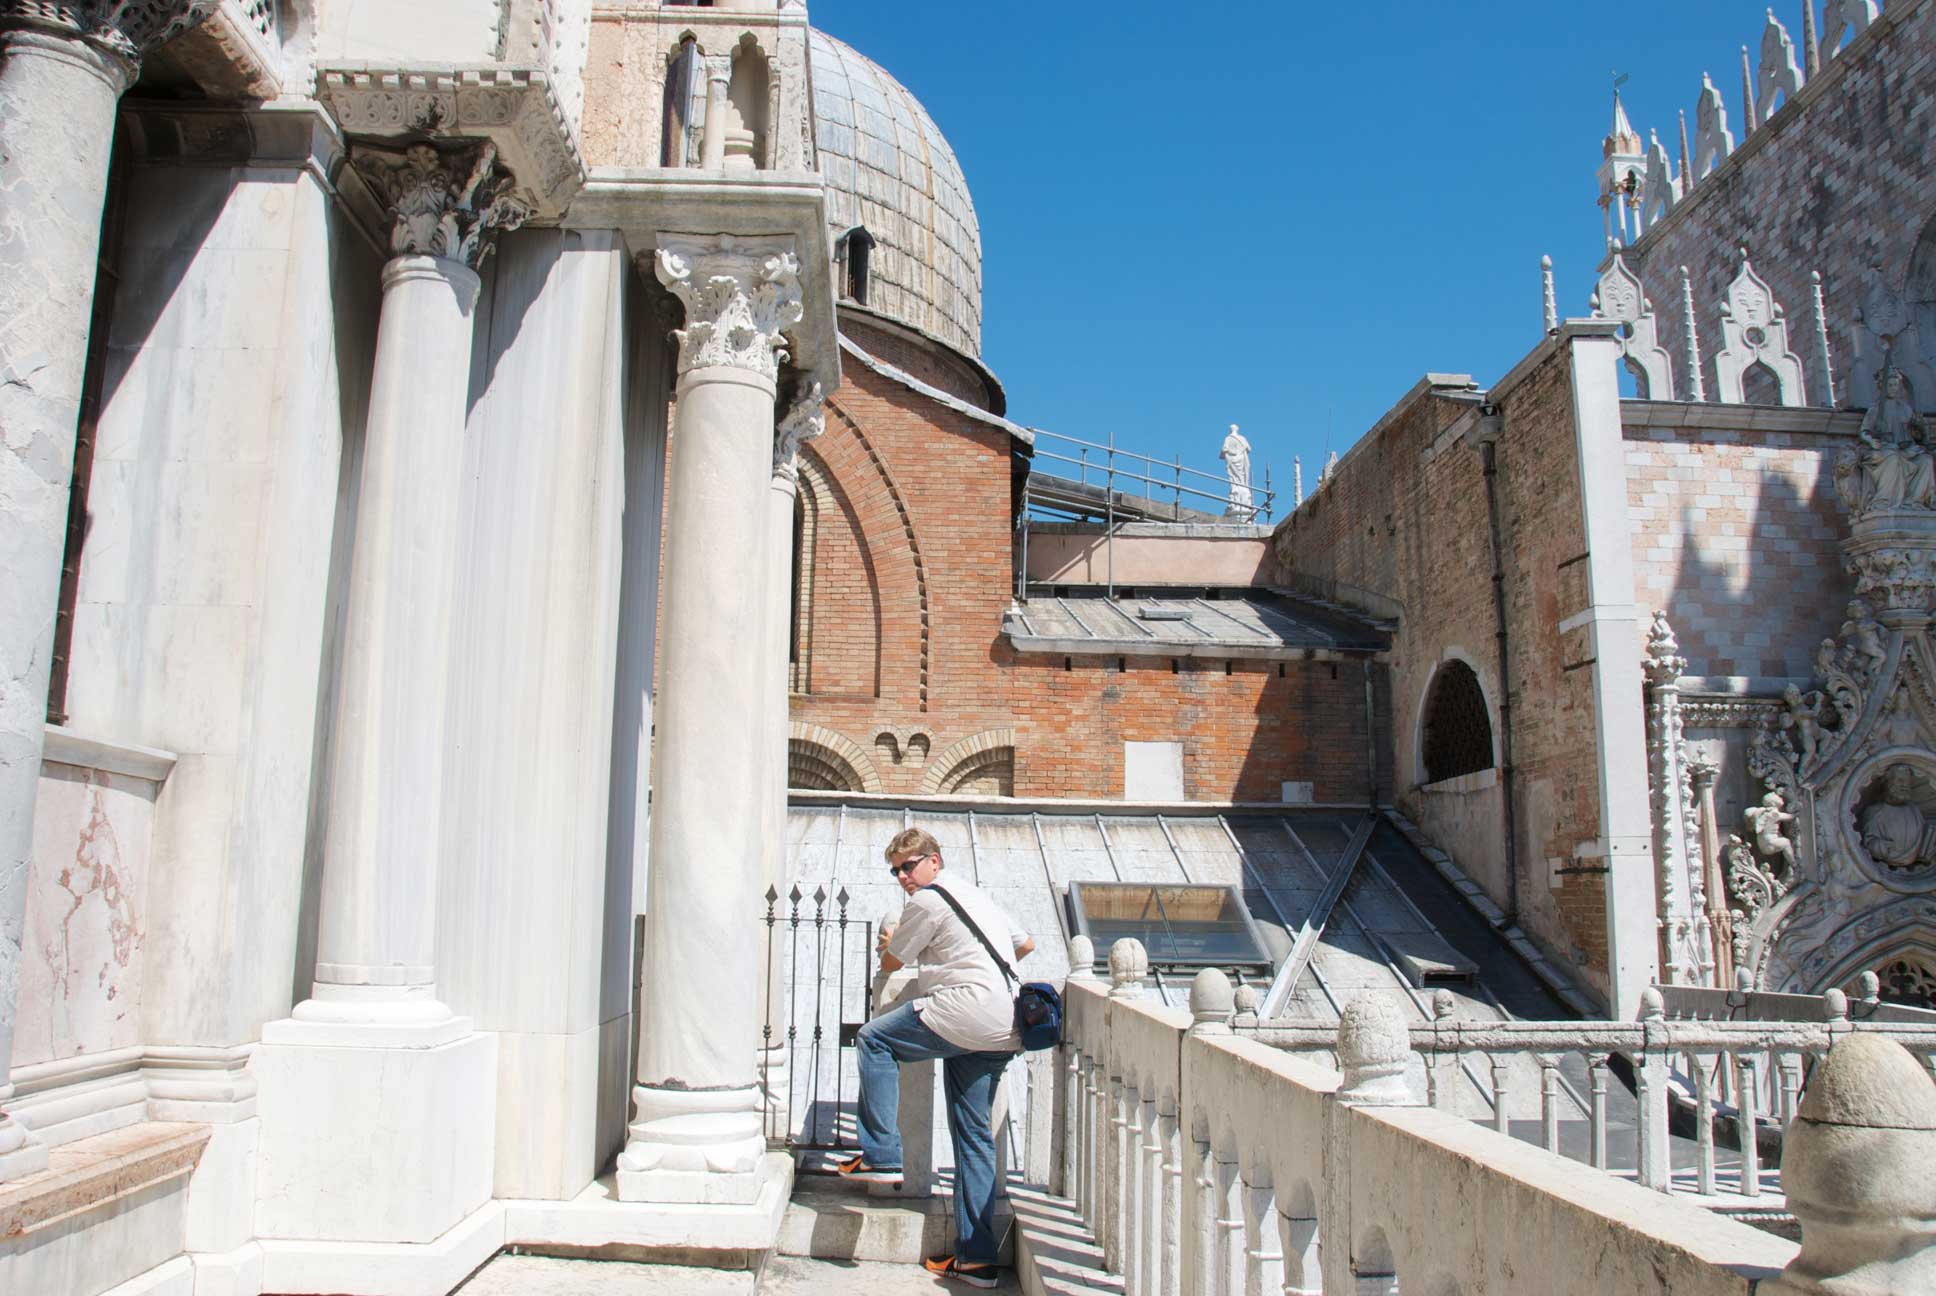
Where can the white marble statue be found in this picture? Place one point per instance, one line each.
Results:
(1895, 831)
(1894, 468)
(1236, 458)
(1767, 823)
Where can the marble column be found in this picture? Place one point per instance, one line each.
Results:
(377, 920)
(803, 421)
(372, 1079)
(697, 1133)
(63, 69)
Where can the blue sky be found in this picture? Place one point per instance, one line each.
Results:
(1281, 215)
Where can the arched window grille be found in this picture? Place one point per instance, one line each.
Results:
(1458, 731)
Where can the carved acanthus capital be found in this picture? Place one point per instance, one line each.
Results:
(445, 200)
(803, 422)
(739, 303)
(129, 28)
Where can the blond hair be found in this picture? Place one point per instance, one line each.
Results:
(912, 841)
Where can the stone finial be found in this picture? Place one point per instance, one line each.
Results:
(1835, 1005)
(1748, 117)
(1664, 664)
(1652, 1006)
(1779, 72)
(445, 200)
(1374, 1049)
(1859, 1169)
(1549, 302)
(1247, 999)
(1691, 330)
(1211, 1003)
(1713, 141)
(1686, 158)
(1082, 959)
(1868, 988)
(1825, 363)
(1811, 48)
(1128, 966)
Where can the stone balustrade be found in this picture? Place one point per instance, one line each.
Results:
(1743, 1072)
(1215, 1161)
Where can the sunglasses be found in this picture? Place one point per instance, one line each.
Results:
(908, 865)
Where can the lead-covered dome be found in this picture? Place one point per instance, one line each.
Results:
(889, 169)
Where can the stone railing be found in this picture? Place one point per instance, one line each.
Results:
(1740, 1073)
(1207, 1162)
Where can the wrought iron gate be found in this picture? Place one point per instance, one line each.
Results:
(826, 983)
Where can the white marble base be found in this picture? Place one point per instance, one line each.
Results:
(701, 1146)
(229, 1273)
(374, 1144)
(29, 1158)
(292, 1268)
(221, 1191)
(174, 1278)
(598, 1221)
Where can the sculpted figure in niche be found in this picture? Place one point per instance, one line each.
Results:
(1895, 831)
(1804, 719)
(1766, 823)
(1865, 639)
(1236, 457)
(1894, 469)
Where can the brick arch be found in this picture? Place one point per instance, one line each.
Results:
(826, 760)
(970, 758)
(839, 599)
(853, 463)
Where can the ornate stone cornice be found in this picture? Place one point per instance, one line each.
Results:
(738, 302)
(444, 200)
(129, 28)
(806, 420)
(514, 108)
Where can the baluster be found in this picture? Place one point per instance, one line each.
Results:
(1114, 1196)
(1152, 1222)
(1791, 1085)
(1656, 1171)
(1703, 1126)
(1230, 1229)
(1170, 1265)
(1203, 1281)
(1750, 1102)
(1263, 1257)
(1501, 1095)
(1549, 1102)
(1597, 1113)
(1135, 1194)
(1093, 1127)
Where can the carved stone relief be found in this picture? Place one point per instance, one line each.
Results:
(1619, 297)
(129, 28)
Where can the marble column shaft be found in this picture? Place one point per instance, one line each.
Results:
(698, 1130)
(57, 104)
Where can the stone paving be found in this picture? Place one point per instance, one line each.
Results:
(516, 1275)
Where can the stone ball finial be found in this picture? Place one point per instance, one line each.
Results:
(1835, 1003)
(1128, 965)
(1211, 1003)
(1868, 987)
(1652, 1006)
(1859, 1169)
(1247, 999)
(1082, 959)
(1743, 980)
(1374, 1049)
(1443, 1004)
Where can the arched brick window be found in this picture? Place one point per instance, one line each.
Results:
(1458, 731)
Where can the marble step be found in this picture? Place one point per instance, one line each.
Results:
(831, 1219)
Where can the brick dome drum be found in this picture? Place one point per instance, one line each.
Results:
(889, 169)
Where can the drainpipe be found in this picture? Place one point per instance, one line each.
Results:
(1492, 424)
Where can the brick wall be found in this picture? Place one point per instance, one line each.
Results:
(1836, 182)
(1405, 519)
(1737, 536)
(910, 571)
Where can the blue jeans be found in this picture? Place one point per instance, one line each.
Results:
(969, 1080)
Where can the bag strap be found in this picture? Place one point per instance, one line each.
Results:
(962, 914)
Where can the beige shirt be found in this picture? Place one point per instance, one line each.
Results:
(961, 995)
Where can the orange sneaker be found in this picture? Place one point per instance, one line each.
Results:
(859, 1171)
(950, 1267)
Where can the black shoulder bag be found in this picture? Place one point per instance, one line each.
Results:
(1038, 1005)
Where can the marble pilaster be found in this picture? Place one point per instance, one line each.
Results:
(63, 68)
(697, 1135)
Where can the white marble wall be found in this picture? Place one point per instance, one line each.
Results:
(533, 937)
(439, 32)
(237, 368)
(87, 913)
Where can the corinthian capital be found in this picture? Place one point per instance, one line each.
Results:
(445, 200)
(738, 302)
(806, 420)
(129, 28)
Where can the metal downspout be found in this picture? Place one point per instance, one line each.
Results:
(1494, 423)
